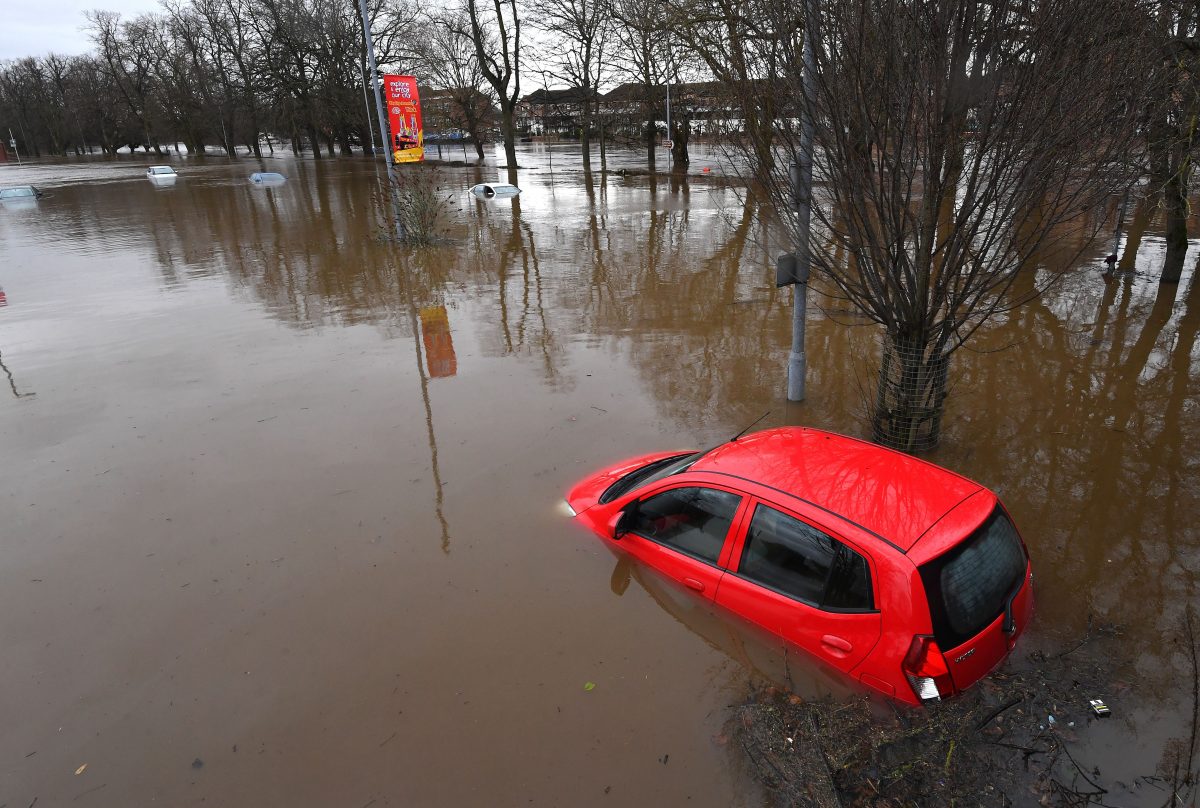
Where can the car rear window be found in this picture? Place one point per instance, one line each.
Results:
(970, 586)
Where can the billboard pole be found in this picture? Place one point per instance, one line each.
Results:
(387, 143)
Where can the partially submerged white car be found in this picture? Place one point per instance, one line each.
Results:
(267, 178)
(15, 197)
(494, 190)
(161, 174)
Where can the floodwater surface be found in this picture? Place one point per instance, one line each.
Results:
(280, 510)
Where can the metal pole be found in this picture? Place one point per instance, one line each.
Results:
(801, 176)
(545, 129)
(668, 103)
(367, 106)
(12, 141)
(387, 143)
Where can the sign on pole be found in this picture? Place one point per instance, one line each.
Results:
(404, 118)
(668, 144)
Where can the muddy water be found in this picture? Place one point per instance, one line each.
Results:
(278, 511)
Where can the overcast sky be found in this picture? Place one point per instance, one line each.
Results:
(38, 27)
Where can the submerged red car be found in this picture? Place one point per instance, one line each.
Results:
(909, 578)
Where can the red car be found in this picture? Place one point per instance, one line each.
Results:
(906, 576)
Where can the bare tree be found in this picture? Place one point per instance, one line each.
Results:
(580, 32)
(496, 33)
(1174, 120)
(641, 56)
(447, 56)
(954, 141)
(741, 42)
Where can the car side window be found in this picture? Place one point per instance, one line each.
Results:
(798, 560)
(692, 520)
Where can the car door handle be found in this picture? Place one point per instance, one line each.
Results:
(837, 643)
(692, 583)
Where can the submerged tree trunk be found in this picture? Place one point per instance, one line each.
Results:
(585, 143)
(603, 153)
(509, 130)
(679, 141)
(911, 396)
(1176, 203)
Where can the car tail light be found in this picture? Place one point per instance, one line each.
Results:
(926, 670)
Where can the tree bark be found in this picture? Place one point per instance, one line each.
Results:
(509, 130)
(1175, 201)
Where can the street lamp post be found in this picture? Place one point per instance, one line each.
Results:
(801, 181)
(387, 143)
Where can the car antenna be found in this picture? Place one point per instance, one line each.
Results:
(752, 425)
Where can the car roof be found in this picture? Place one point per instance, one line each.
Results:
(893, 495)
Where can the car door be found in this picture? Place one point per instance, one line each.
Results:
(684, 531)
(795, 579)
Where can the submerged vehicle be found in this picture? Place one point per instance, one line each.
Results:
(161, 173)
(267, 178)
(903, 575)
(19, 192)
(493, 190)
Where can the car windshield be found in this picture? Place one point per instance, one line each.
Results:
(649, 473)
(16, 193)
(970, 586)
(163, 170)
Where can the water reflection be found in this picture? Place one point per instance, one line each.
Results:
(757, 651)
(12, 382)
(1075, 406)
(179, 323)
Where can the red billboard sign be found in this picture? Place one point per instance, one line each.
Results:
(404, 118)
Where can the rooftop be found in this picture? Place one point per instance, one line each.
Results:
(891, 494)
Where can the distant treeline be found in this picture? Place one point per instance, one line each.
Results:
(205, 73)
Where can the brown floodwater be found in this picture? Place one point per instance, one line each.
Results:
(279, 506)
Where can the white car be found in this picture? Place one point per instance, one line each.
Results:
(20, 196)
(19, 192)
(493, 190)
(267, 178)
(161, 173)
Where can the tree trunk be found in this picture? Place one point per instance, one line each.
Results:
(651, 137)
(509, 130)
(911, 396)
(585, 135)
(1175, 201)
(314, 141)
(603, 153)
(679, 141)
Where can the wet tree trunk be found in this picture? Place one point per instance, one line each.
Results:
(509, 129)
(651, 136)
(679, 139)
(585, 142)
(1176, 204)
(603, 154)
(910, 399)
(313, 139)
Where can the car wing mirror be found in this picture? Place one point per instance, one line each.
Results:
(627, 519)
